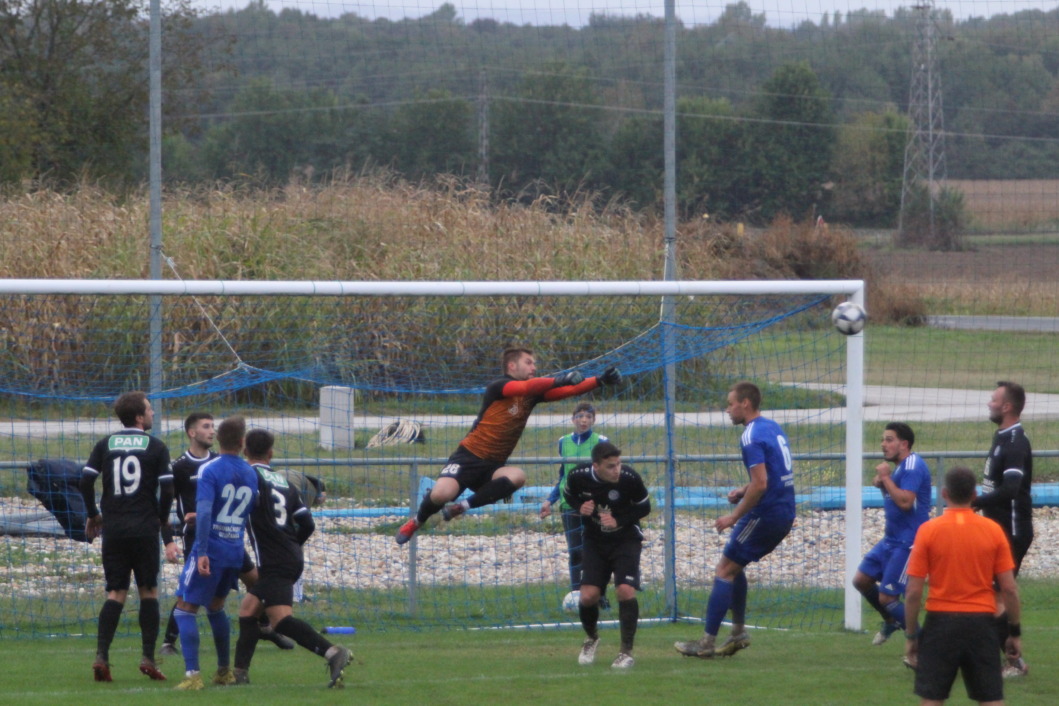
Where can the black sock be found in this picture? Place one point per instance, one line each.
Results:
(249, 633)
(491, 492)
(303, 633)
(872, 596)
(589, 617)
(109, 615)
(150, 614)
(427, 508)
(628, 615)
(262, 623)
(172, 632)
(1001, 624)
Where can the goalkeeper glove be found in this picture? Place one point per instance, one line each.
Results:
(611, 376)
(572, 377)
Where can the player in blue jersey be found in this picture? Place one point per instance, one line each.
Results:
(225, 495)
(906, 505)
(763, 516)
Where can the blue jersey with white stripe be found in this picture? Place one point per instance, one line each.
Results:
(763, 442)
(914, 475)
(225, 494)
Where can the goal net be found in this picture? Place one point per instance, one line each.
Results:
(330, 367)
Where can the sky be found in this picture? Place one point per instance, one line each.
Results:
(778, 13)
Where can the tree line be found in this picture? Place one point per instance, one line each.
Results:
(769, 120)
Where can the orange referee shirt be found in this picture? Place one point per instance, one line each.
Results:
(959, 554)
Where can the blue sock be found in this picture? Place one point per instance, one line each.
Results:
(189, 638)
(222, 635)
(717, 607)
(739, 590)
(896, 610)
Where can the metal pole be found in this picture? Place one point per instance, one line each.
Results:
(854, 467)
(155, 179)
(669, 146)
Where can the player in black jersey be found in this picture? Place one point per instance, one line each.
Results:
(280, 524)
(201, 433)
(134, 509)
(1005, 496)
(611, 498)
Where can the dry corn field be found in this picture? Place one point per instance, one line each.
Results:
(1009, 203)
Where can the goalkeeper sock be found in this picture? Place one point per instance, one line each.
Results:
(427, 508)
(303, 633)
(717, 607)
(222, 636)
(739, 591)
(896, 610)
(109, 615)
(249, 633)
(589, 615)
(628, 615)
(150, 614)
(491, 492)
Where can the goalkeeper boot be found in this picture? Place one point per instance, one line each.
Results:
(588, 650)
(454, 510)
(732, 644)
(100, 669)
(624, 660)
(702, 648)
(150, 669)
(885, 632)
(407, 530)
(336, 663)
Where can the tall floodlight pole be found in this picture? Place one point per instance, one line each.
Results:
(483, 129)
(669, 146)
(155, 179)
(925, 150)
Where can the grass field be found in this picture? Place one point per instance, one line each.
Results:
(462, 667)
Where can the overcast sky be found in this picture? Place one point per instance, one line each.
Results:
(779, 13)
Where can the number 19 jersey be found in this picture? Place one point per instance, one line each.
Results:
(133, 465)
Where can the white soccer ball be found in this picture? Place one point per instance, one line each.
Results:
(571, 601)
(848, 318)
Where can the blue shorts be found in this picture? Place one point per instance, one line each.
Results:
(753, 538)
(197, 589)
(887, 563)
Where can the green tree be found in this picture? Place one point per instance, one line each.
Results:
(548, 136)
(868, 166)
(709, 150)
(789, 148)
(434, 135)
(81, 65)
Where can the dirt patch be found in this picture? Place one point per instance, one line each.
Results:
(1022, 263)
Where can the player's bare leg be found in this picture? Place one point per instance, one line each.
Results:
(505, 481)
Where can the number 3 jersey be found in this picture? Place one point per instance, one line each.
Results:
(279, 524)
(134, 465)
(225, 494)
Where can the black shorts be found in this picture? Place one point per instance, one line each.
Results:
(123, 556)
(964, 642)
(601, 560)
(248, 563)
(275, 587)
(469, 470)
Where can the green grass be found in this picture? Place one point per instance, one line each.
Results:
(526, 666)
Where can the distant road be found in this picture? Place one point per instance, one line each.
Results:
(1035, 324)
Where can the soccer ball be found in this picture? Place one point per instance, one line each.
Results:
(848, 318)
(571, 601)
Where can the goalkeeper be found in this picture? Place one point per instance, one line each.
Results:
(480, 461)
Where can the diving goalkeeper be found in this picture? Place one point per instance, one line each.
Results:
(480, 461)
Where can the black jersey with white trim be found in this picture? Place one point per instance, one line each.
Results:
(185, 472)
(279, 523)
(134, 466)
(1010, 505)
(627, 500)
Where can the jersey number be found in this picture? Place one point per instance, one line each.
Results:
(279, 507)
(126, 474)
(241, 495)
(787, 462)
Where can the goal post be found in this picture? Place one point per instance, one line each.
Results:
(421, 352)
